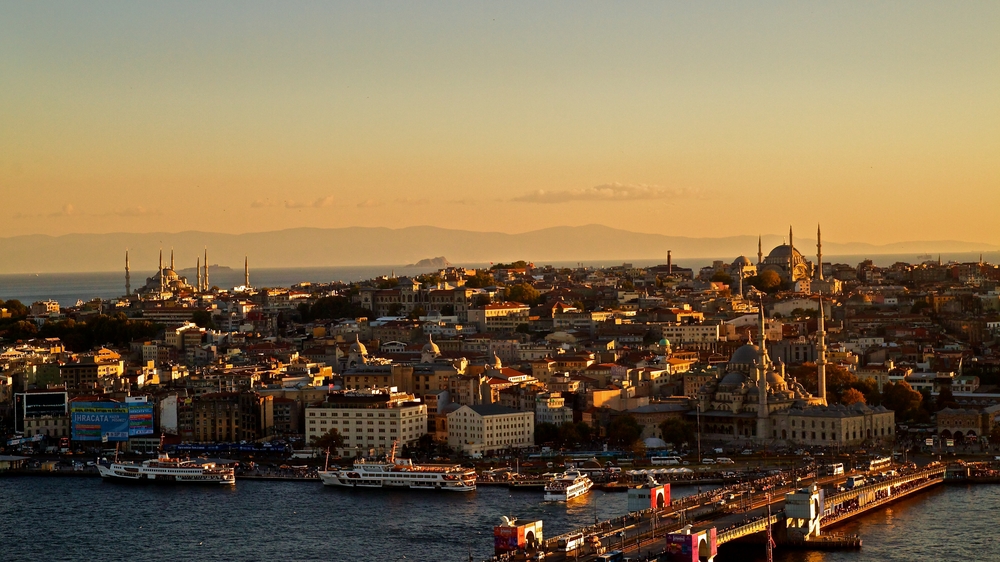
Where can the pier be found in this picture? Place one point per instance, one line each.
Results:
(795, 516)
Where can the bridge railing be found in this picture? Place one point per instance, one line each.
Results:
(749, 528)
(842, 497)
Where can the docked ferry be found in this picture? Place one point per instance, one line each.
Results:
(568, 485)
(166, 469)
(401, 473)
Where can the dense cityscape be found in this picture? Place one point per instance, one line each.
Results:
(517, 365)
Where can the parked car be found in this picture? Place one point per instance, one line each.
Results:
(707, 461)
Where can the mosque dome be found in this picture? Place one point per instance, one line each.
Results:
(746, 355)
(431, 347)
(358, 347)
(780, 255)
(169, 274)
(775, 381)
(733, 379)
(741, 261)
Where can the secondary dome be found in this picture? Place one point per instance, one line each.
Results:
(745, 355)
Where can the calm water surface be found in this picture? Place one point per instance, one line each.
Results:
(86, 519)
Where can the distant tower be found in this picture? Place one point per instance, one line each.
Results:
(172, 260)
(760, 251)
(207, 286)
(762, 367)
(197, 269)
(161, 270)
(741, 281)
(128, 276)
(819, 252)
(791, 255)
(821, 352)
(246, 271)
(670, 264)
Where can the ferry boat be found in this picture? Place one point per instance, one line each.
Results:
(401, 473)
(166, 469)
(568, 485)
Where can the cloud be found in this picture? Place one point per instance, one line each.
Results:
(68, 210)
(412, 202)
(369, 203)
(137, 211)
(607, 192)
(293, 204)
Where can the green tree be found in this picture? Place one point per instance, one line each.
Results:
(624, 431)
(677, 431)
(767, 281)
(15, 308)
(479, 280)
(203, 318)
(523, 293)
(722, 277)
(330, 440)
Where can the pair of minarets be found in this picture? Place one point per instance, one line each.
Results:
(791, 253)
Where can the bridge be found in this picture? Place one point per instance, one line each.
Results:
(693, 528)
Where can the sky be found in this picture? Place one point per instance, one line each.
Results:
(880, 120)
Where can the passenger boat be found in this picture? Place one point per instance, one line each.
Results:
(401, 473)
(166, 469)
(568, 485)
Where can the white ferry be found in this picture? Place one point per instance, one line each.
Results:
(166, 469)
(568, 485)
(401, 473)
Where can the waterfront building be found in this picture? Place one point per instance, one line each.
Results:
(92, 371)
(369, 422)
(483, 429)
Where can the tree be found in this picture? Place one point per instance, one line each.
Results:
(722, 277)
(417, 312)
(479, 280)
(524, 293)
(330, 440)
(546, 433)
(767, 281)
(203, 319)
(902, 399)
(448, 310)
(677, 431)
(852, 396)
(15, 308)
(995, 435)
(395, 308)
(624, 431)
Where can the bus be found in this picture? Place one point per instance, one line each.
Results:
(664, 460)
(879, 464)
(569, 543)
(835, 469)
(854, 482)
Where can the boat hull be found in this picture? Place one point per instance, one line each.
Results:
(348, 479)
(120, 474)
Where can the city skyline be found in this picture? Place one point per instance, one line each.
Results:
(705, 121)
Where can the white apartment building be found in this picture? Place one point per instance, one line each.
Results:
(485, 428)
(368, 421)
(551, 408)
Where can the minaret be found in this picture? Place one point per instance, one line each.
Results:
(161, 270)
(246, 271)
(762, 366)
(821, 352)
(128, 277)
(740, 273)
(197, 269)
(760, 251)
(819, 252)
(670, 264)
(172, 268)
(207, 286)
(791, 255)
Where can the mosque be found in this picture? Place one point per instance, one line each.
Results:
(790, 265)
(167, 280)
(755, 403)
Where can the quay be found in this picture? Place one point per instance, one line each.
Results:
(694, 528)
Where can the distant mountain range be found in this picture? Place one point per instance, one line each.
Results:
(319, 247)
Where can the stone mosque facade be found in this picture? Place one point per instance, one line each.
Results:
(754, 402)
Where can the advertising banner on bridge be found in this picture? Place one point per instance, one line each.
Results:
(99, 421)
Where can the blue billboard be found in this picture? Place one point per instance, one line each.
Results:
(140, 419)
(99, 421)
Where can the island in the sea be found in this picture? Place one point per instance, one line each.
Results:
(439, 261)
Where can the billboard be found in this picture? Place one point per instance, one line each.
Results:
(99, 421)
(140, 419)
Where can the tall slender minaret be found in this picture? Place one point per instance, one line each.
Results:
(670, 264)
(760, 251)
(740, 273)
(791, 255)
(763, 363)
(161, 270)
(819, 252)
(246, 271)
(172, 268)
(128, 276)
(197, 269)
(207, 286)
(821, 352)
